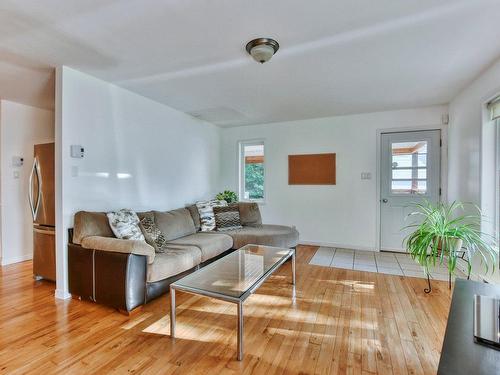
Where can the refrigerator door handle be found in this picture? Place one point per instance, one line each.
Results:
(30, 190)
(39, 179)
(35, 171)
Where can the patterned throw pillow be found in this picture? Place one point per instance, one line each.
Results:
(227, 218)
(125, 225)
(206, 211)
(153, 234)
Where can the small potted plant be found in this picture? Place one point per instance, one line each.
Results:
(446, 233)
(228, 196)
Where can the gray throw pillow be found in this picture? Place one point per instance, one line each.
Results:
(125, 225)
(227, 218)
(153, 234)
(206, 211)
(250, 214)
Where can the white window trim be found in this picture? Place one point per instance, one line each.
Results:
(497, 181)
(241, 168)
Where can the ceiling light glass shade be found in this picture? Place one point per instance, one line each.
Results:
(262, 49)
(262, 53)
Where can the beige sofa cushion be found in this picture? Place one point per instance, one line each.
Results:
(91, 224)
(249, 214)
(210, 244)
(173, 261)
(175, 224)
(120, 246)
(195, 215)
(270, 235)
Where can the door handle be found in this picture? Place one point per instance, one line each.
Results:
(35, 172)
(385, 200)
(30, 190)
(39, 180)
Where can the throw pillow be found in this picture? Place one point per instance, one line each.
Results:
(227, 218)
(206, 211)
(125, 225)
(250, 214)
(153, 234)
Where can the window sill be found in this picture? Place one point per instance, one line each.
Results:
(260, 202)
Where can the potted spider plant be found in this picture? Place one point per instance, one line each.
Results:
(228, 196)
(444, 232)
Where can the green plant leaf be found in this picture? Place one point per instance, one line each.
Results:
(441, 229)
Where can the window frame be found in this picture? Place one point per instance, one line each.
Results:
(241, 169)
(497, 182)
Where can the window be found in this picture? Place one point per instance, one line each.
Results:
(409, 168)
(497, 182)
(252, 171)
(494, 109)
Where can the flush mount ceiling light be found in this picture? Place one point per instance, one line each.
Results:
(262, 49)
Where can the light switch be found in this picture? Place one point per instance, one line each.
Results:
(366, 175)
(17, 161)
(16, 175)
(77, 151)
(74, 171)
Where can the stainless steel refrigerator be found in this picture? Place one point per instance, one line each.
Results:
(42, 204)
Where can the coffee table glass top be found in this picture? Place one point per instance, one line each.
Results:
(236, 273)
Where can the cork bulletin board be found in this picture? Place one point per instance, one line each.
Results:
(312, 169)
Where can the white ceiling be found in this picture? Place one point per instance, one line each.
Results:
(336, 56)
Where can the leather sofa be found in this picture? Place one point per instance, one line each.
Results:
(126, 274)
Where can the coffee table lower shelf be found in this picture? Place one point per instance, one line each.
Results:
(238, 301)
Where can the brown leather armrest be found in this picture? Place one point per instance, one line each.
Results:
(120, 246)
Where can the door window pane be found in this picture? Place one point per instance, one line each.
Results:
(422, 173)
(398, 174)
(409, 167)
(252, 187)
(422, 186)
(401, 186)
(422, 160)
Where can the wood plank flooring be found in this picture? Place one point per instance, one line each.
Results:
(341, 322)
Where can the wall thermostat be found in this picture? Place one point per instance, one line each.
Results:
(17, 161)
(77, 151)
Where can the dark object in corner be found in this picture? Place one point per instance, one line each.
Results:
(460, 354)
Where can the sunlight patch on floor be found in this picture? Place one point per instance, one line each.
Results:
(160, 327)
(133, 322)
(355, 284)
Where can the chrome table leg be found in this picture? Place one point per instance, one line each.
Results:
(172, 312)
(293, 267)
(240, 331)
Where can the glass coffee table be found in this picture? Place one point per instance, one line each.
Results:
(233, 278)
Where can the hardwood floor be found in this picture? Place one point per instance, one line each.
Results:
(342, 322)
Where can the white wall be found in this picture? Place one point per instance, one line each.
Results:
(139, 154)
(341, 215)
(21, 127)
(472, 151)
(472, 145)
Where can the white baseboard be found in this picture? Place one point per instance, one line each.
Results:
(394, 250)
(491, 278)
(62, 294)
(341, 246)
(20, 258)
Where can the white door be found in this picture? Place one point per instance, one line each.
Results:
(410, 173)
